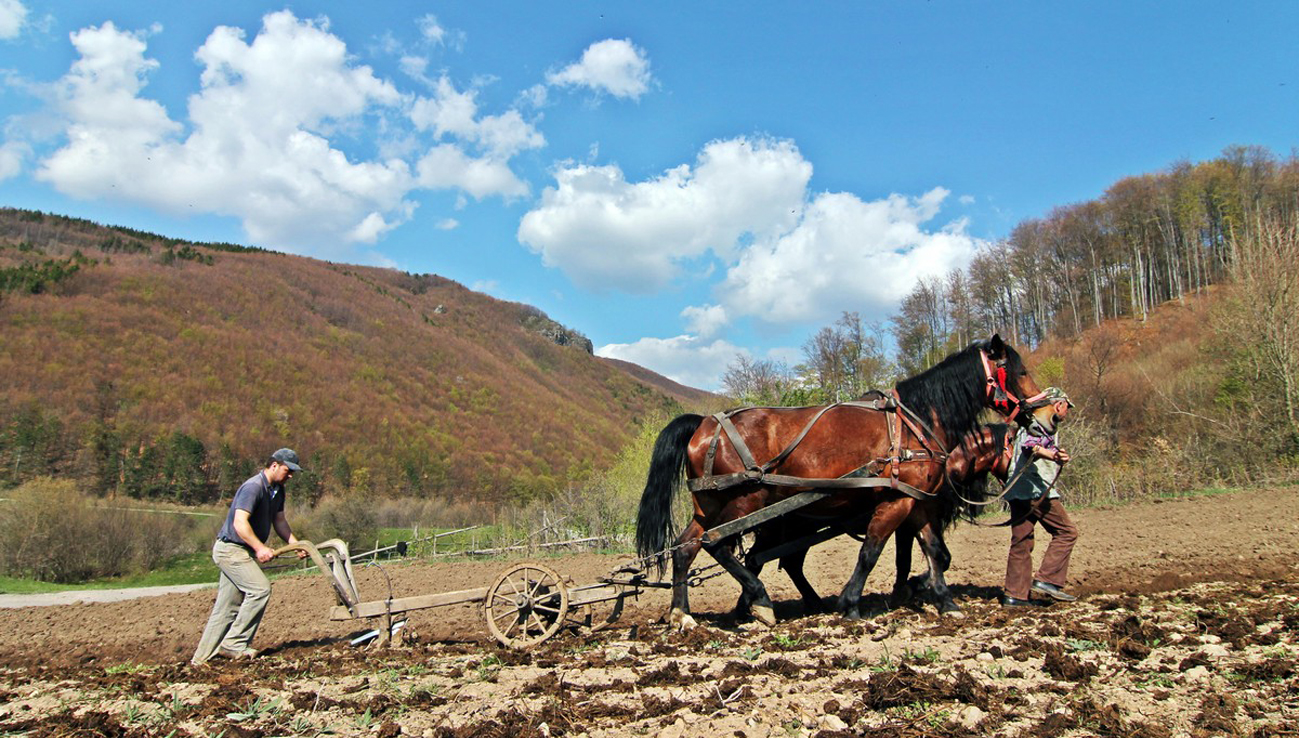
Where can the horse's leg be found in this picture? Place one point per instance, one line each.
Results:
(683, 555)
(940, 558)
(884, 521)
(753, 590)
(902, 590)
(765, 537)
(770, 537)
(793, 566)
(913, 528)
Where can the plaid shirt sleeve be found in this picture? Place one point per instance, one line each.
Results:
(1046, 442)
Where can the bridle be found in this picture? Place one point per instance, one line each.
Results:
(998, 397)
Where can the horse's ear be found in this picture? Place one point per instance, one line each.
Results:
(996, 346)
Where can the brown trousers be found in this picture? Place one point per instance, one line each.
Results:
(1055, 564)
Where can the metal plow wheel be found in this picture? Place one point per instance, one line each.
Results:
(526, 605)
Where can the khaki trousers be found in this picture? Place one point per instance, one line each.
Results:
(242, 594)
(1054, 568)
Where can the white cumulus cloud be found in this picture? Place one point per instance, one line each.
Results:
(706, 321)
(606, 232)
(845, 254)
(258, 143)
(615, 66)
(690, 360)
(453, 114)
(12, 155)
(447, 166)
(13, 16)
(431, 30)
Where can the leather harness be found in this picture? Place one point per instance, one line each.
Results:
(880, 472)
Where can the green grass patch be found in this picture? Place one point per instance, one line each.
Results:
(196, 568)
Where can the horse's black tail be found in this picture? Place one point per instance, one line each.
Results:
(654, 528)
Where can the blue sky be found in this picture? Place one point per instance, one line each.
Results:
(681, 182)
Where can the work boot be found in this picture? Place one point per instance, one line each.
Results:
(1052, 591)
(244, 653)
(1008, 601)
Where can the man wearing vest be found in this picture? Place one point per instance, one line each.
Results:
(240, 547)
(1034, 499)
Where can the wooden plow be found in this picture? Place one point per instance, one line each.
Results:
(525, 605)
(529, 602)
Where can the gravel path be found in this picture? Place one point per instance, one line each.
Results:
(71, 597)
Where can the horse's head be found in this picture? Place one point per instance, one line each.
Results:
(982, 453)
(1011, 389)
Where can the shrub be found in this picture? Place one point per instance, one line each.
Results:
(50, 531)
(349, 517)
(605, 505)
(432, 512)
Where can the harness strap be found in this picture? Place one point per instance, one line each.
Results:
(760, 474)
(746, 458)
(780, 457)
(723, 481)
(712, 450)
(892, 422)
(920, 428)
(742, 450)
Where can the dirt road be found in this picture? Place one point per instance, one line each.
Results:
(71, 597)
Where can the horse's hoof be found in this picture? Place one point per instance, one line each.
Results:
(813, 607)
(681, 620)
(952, 611)
(900, 597)
(765, 614)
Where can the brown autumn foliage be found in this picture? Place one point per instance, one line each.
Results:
(1169, 404)
(388, 384)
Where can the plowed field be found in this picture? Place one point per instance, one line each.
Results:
(1188, 625)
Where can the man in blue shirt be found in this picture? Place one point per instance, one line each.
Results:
(240, 547)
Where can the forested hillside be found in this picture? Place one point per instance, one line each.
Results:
(147, 366)
(1149, 239)
(1168, 308)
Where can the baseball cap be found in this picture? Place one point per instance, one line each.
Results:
(287, 457)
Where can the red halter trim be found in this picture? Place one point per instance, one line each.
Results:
(999, 398)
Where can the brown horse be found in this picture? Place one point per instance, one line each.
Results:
(844, 439)
(968, 466)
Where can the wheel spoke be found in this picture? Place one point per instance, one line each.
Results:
(540, 623)
(534, 586)
(506, 612)
(543, 608)
(506, 624)
(514, 586)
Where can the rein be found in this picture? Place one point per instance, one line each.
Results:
(1011, 521)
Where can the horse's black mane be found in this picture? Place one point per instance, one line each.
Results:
(953, 390)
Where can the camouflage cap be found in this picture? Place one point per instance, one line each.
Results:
(1052, 395)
